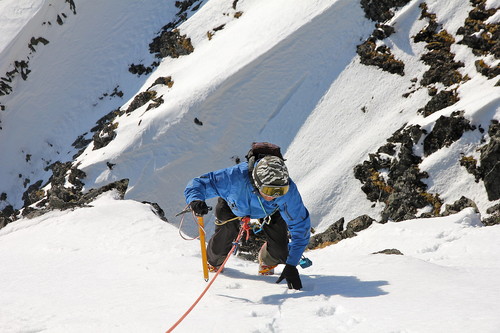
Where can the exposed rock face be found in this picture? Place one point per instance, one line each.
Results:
(482, 37)
(171, 44)
(380, 56)
(380, 10)
(389, 251)
(490, 162)
(458, 206)
(395, 179)
(495, 216)
(335, 233)
(489, 169)
(140, 100)
(446, 131)
(439, 101)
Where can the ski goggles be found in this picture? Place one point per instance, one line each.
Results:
(274, 190)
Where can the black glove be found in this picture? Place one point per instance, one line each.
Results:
(199, 207)
(291, 274)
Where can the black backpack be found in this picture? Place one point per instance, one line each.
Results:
(258, 151)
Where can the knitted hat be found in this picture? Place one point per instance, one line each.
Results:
(270, 170)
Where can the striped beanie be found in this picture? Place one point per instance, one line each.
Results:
(270, 170)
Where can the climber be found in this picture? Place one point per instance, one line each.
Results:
(261, 191)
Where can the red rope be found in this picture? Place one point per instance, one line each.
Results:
(244, 228)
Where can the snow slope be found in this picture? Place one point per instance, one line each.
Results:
(116, 267)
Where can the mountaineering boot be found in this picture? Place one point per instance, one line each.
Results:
(213, 269)
(263, 268)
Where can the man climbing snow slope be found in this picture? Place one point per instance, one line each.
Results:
(259, 189)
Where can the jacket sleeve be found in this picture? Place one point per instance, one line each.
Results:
(297, 218)
(208, 186)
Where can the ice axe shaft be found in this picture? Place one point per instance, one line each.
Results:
(204, 261)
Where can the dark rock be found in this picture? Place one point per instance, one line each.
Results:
(490, 162)
(360, 223)
(139, 69)
(81, 142)
(439, 101)
(446, 131)
(105, 120)
(8, 211)
(484, 69)
(402, 190)
(331, 235)
(171, 44)
(167, 81)
(33, 194)
(483, 38)
(141, 99)
(383, 31)
(4, 221)
(119, 186)
(186, 5)
(156, 102)
(335, 232)
(380, 10)
(75, 178)
(105, 136)
(389, 251)
(459, 205)
(494, 219)
(381, 56)
(443, 67)
(157, 210)
(35, 41)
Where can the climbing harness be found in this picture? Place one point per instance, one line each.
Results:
(243, 229)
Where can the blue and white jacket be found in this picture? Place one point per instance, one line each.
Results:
(233, 184)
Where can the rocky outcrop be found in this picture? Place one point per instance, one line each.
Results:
(494, 217)
(483, 38)
(381, 10)
(395, 178)
(171, 44)
(446, 130)
(389, 251)
(459, 205)
(489, 163)
(373, 51)
(372, 55)
(442, 66)
(66, 191)
(335, 232)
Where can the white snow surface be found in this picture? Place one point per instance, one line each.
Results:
(116, 267)
(287, 72)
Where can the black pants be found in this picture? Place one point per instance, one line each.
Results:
(276, 234)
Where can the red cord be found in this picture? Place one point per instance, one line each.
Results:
(244, 228)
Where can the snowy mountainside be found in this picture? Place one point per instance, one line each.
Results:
(297, 82)
(116, 267)
(137, 97)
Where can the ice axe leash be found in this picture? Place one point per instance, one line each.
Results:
(201, 236)
(243, 229)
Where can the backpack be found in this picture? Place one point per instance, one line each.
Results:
(257, 151)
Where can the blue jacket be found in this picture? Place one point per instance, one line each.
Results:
(233, 184)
